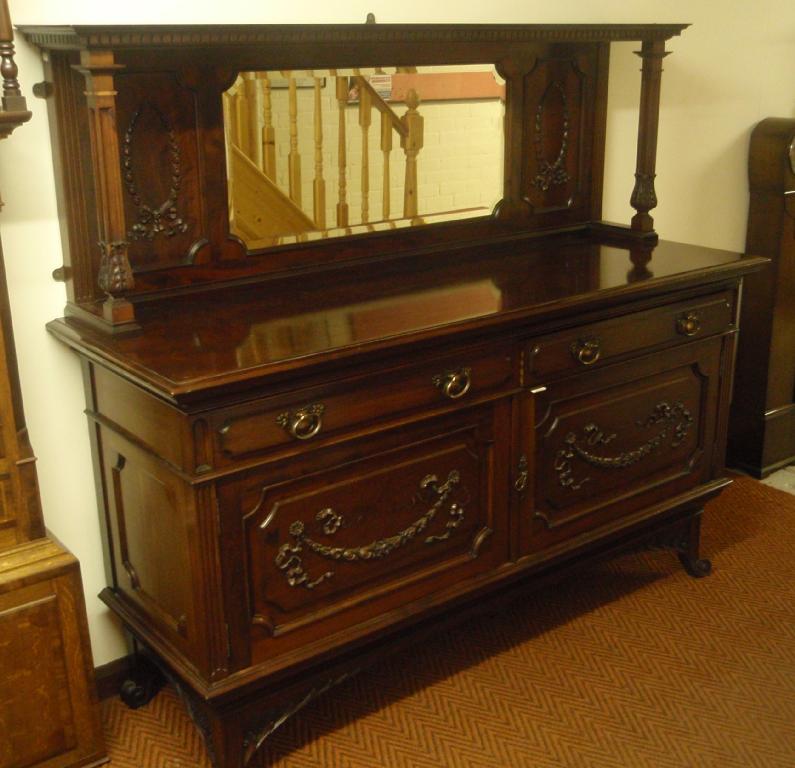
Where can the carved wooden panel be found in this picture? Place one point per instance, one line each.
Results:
(30, 627)
(159, 148)
(559, 132)
(148, 519)
(48, 710)
(641, 428)
(341, 530)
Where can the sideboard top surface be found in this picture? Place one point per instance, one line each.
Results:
(193, 344)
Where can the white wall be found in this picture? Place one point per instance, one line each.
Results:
(730, 70)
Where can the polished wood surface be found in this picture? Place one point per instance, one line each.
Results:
(158, 190)
(310, 456)
(762, 427)
(182, 349)
(49, 715)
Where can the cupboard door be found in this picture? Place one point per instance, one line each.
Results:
(363, 532)
(611, 441)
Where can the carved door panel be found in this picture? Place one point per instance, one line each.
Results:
(343, 536)
(608, 442)
(152, 530)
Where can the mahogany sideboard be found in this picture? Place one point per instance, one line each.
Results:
(321, 428)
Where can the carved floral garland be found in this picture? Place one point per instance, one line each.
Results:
(154, 219)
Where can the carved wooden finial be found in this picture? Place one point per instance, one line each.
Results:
(412, 99)
(14, 108)
(370, 18)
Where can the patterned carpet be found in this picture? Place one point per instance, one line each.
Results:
(632, 664)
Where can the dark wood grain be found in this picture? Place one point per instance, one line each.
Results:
(310, 455)
(762, 427)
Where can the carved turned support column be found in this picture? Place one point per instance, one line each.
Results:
(115, 274)
(644, 197)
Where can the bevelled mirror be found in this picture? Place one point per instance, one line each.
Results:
(315, 154)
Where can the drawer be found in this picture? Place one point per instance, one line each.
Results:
(307, 416)
(358, 532)
(593, 345)
(615, 440)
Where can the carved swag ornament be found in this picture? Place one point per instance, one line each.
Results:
(289, 558)
(676, 420)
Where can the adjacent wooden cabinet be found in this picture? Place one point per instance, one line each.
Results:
(320, 436)
(49, 714)
(762, 424)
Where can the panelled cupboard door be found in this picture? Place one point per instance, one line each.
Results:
(611, 441)
(346, 539)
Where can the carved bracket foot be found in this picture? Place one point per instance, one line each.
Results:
(697, 567)
(685, 540)
(143, 685)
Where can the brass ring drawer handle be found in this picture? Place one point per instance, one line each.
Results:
(688, 324)
(587, 351)
(304, 423)
(454, 384)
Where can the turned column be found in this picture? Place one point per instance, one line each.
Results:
(412, 143)
(115, 276)
(644, 198)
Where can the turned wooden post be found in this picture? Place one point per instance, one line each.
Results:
(644, 198)
(342, 186)
(241, 118)
(411, 144)
(13, 100)
(250, 127)
(365, 120)
(319, 183)
(268, 131)
(386, 148)
(293, 158)
(115, 273)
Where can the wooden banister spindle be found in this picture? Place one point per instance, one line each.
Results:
(241, 118)
(251, 127)
(644, 197)
(365, 120)
(411, 143)
(342, 184)
(319, 182)
(386, 148)
(294, 158)
(230, 118)
(268, 131)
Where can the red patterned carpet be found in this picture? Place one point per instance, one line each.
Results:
(631, 664)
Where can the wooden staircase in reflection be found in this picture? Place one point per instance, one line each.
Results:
(265, 214)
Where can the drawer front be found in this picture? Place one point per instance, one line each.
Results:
(610, 441)
(345, 535)
(311, 415)
(597, 344)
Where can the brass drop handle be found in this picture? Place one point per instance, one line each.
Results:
(304, 423)
(587, 351)
(688, 324)
(454, 384)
